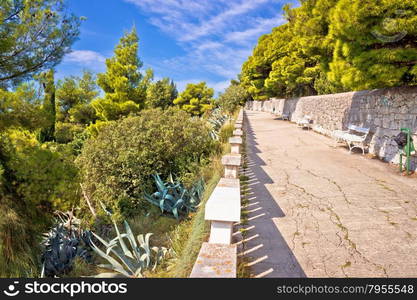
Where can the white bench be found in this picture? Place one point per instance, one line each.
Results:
(283, 116)
(305, 122)
(355, 137)
(222, 210)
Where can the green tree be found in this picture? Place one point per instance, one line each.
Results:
(124, 93)
(196, 99)
(289, 61)
(233, 97)
(161, 93)
(22, 108)
(34, 35)
(47, 81)
(330, 46)
(374, 44)
(74, 93)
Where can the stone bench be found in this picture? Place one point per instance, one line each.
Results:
(215, 261)
(222, 210)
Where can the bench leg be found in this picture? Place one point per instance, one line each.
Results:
(221, 232)
(352, 146)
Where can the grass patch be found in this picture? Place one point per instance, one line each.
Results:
(188, 237)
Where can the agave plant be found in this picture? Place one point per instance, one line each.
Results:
(129, 259)
(216, 121)
(62, 244)
(174, 198)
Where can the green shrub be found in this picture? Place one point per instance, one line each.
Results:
(34, 181)
(117, 165)
(65, 132)
(234, 97)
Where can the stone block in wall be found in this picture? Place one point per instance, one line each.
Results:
(404, 109)
(386, 121)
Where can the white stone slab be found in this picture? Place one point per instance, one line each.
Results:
(224, 204)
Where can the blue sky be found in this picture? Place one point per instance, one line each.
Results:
(188, 41)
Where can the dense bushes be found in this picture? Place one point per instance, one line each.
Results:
(34, 181)
(117, 165)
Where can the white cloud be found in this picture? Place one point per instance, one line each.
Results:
(86, 57)
(217, 36)
(220, 86)
(262, 26)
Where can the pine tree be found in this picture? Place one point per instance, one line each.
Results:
(162, 93)
(74, 93)
(34, 36)
(122, 81)
(196, 99)
(330, 46)
(374, 43)
(47, 134)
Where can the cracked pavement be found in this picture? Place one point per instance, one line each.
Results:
(317, 211)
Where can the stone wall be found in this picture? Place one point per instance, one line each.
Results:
(384, 111)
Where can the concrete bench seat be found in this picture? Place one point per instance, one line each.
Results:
(215, 261)
(223, 209)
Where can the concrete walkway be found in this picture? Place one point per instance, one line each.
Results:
(317, 211)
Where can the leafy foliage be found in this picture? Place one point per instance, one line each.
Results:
(34, 35)
(74, 94)
(234, 96)
(121, 83)
(161, 94)
(47, 134)
(196, 99)
(330, 46)
(34, 181)
(376, 45)
(119, 163)
(22, 108)
(174, 198)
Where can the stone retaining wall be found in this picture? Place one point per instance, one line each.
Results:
(384, 111)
